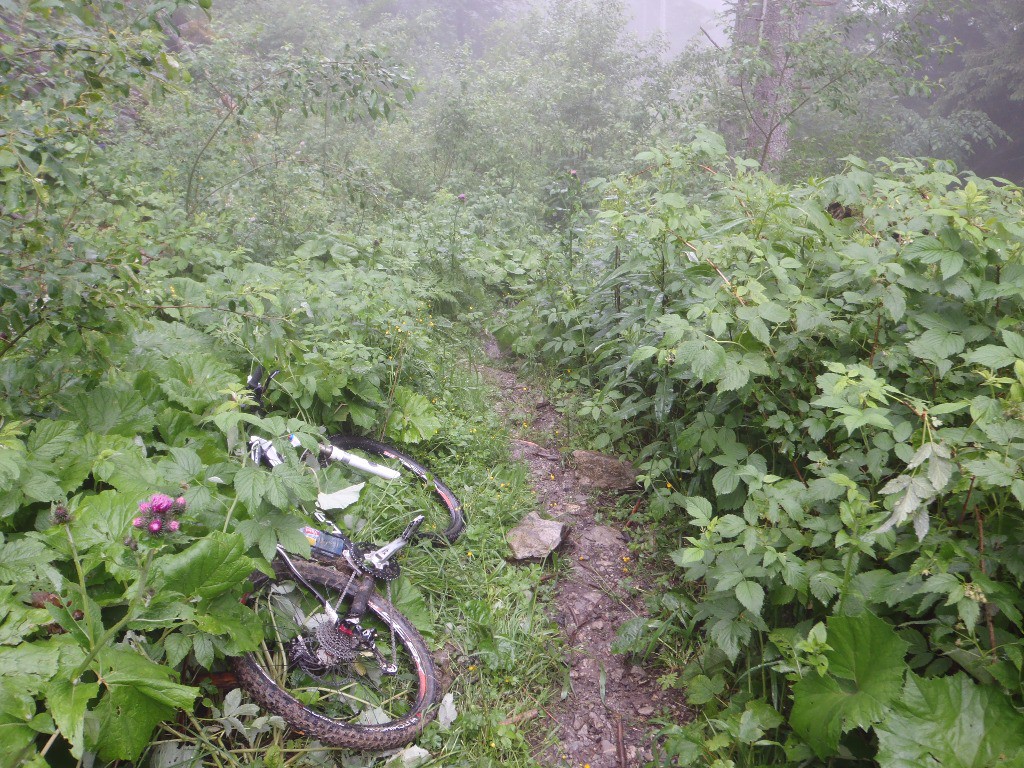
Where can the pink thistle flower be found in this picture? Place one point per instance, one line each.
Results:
(180, 503)
(145, 507)
(462, 198)
(155, 526)
(173, 526)
(572, 172)
(138, 522)
(161, 503)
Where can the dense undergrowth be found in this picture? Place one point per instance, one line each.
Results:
(141, 282)
(821, 382)
(823, 385)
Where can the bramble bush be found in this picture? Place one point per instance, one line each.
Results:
(824, 384)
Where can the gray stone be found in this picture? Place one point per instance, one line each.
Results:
(535, 537)
(602, 472)
(603, 537)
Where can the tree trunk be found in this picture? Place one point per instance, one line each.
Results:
(762, 30)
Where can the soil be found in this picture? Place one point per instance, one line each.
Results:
(608, 715)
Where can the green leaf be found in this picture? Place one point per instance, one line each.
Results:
(126, 720)
(865, 674)
(228, 619)
(687, 556)
(751, 595)
(39, 486)
(206, 569)
(251, 485)
(991, 356)
(22, 560)
(1014, 342)
(50, 439)
(993, 471)
(703, 689)
(67, 703)
(121, 667)
(726, 480)
(951, 722)
(734, 376)
(17, 710)
(773, 313)
(936, 345)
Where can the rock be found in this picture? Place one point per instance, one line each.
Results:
(607, 748)
(646, 711)
(410, 757)
(606, 473)
(602, 537)
(535, 537)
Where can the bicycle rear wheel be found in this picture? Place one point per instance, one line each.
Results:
(418, 489)
(325, 686)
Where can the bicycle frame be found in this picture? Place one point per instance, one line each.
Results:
(334, 543)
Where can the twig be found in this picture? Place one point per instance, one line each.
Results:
(714, 266)
(985, 608)
(521, 717)
(622, 743)
(799, 474)
(710, 39)
(967, 499)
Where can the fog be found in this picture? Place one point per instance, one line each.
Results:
(677, 21)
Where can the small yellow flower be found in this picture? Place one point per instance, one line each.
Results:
(472, 667)
(669, 486)
(551, 476)
(493, 745)
(469, 554)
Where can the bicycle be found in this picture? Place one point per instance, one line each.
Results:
(321, 666)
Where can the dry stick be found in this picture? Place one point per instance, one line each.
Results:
(710, 39)
(714, 266)
(985, 607)
(521, 717)
(621, 741)
(799, 474)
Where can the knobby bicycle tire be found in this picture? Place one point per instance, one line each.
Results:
(383, 451)
(351, 705)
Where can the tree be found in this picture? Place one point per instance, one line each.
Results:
(986, 74)
(792, 60)
(761, 33)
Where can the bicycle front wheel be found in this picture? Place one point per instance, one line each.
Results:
(324, 685)
(418, 490)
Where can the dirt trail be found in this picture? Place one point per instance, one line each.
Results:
(607, 720)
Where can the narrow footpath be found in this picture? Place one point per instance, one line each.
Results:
(607, 713)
